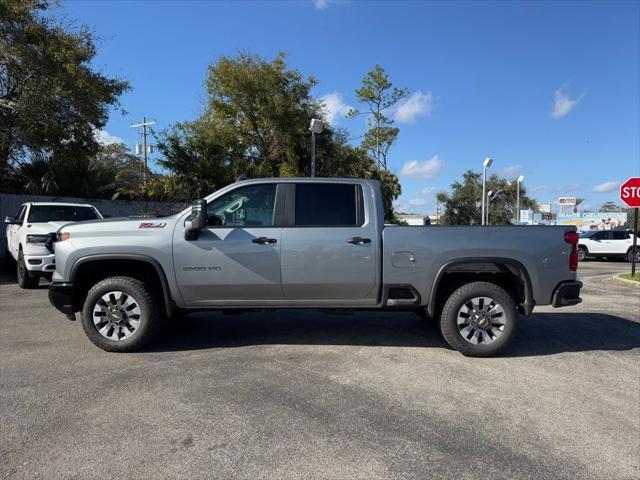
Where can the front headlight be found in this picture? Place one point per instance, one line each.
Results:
(64, 236)
(36, 239)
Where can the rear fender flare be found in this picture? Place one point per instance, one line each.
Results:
(529, 302)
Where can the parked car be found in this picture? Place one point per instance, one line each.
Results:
(307, 243)
(27, 231)
(607, 243)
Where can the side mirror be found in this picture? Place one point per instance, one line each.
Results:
(12, 221)
(196, 221)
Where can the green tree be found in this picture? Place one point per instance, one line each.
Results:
(256, 124)
(51, 99)
(610, 207)
(379, 95)
(463, 205)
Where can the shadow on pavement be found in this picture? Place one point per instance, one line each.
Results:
(539, 334)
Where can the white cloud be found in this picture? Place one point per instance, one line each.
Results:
(563, 103)
(105, 138)
(321, 4)
(417, 202)
(427, 191)
(412, 107)
(334, 107)
(606, 187)
(510, 171)
(425, 169)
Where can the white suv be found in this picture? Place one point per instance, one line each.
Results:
(607, 243)
(27, 232)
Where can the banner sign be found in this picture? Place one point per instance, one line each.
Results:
(593, 221)
(567, 201)
(545, 208)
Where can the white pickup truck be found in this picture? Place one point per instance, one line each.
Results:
(27, 232)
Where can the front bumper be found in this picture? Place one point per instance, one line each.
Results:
(60, 296)
(40, 263)
(566, 294)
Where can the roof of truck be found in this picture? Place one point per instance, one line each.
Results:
(64, 204)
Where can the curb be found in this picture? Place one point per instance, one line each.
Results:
(624, 281)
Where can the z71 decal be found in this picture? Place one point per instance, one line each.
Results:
(152, 225)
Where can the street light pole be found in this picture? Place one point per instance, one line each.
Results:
(489, 193)
(486, 164)
(313, 153)
(316, 127)
(518, 181)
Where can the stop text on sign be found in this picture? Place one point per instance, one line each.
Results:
(630, 192)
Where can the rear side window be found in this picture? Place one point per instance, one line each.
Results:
(619, 235)
(328, 205)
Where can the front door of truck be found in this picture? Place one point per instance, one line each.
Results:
(236, 258)
(330, 253)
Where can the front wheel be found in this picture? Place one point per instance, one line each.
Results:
(479, 319)
(25, 279)
(630, 255)
(121, 314)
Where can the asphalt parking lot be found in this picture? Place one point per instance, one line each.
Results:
(299, 394)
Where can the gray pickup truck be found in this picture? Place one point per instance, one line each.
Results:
(306, 243)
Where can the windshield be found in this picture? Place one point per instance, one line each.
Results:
(60, 213)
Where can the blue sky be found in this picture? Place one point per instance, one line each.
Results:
(549, 90)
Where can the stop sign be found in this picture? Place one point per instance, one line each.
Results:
(630, 192)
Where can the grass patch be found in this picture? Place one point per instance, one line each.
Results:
(627, 276)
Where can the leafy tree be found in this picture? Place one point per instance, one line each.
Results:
(117, 172)
(256, 123)
(51, 100)
(379, 95)
(609, 207)
(463, 205)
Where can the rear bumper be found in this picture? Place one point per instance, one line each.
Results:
(566, 294)
(60, 296)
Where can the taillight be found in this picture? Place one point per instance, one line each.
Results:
(572, 238)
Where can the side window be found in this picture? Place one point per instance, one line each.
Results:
(619, 235)
(328, 205)
(249, 206)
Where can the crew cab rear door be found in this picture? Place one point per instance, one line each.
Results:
(330, 245)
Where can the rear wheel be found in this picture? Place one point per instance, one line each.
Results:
(121, 314)
(582, 254)
(25, 278)
(479, 319)
(630, 255)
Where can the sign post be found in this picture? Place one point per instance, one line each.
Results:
(630, 194)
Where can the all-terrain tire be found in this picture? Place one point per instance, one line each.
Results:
(25, 278)
(150, 319)
(461, 297)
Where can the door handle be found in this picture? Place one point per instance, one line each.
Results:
(358, 240)
(264, 240)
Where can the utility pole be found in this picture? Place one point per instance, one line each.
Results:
(145, 149)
